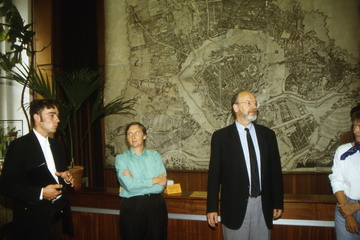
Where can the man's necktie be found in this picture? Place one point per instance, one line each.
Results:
(255, 183)
(351, 151)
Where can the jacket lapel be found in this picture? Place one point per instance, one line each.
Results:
(38, 157)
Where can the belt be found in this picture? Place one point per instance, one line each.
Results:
(147, 195)
(254, 196)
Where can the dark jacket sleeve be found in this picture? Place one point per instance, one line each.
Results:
(14, 183)
(214, 175)
(277, 183)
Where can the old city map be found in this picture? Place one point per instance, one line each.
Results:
(188, 57)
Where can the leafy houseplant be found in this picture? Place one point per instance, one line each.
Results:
(5, 137)
(19, 38)
(74, 89)
(77, 87)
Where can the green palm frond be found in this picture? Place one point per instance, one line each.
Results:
(65, 111)
(117, 106)
(76, 87)
(34, 79)
(79, 85)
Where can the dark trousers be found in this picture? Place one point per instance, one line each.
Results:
(52, 230)
(143, 218)
(39, 222)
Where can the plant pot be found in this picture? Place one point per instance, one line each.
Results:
(76, 173)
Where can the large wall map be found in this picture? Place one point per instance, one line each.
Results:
(184, 59)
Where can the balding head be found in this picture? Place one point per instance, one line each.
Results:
(244, 107)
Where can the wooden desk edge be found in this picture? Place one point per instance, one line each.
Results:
(310, 207)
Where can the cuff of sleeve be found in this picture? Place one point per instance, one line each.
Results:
(41, 194)
(337, 188)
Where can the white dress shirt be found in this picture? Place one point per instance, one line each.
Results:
(49, 158)
(346, 173)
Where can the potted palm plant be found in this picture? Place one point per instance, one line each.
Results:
(75, 88)
(78, 86)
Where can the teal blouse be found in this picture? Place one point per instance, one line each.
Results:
(143, 168)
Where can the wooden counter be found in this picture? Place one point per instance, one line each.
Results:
(96, 210)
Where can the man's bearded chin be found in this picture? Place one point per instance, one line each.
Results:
(250, 118)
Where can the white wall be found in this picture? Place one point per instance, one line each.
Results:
(10, 92)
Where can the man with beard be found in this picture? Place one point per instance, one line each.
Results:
(245, 168)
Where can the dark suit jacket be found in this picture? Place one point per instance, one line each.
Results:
(228, 174)
(24, 174)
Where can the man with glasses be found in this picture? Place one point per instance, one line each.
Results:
(245, 168)
(142, 176)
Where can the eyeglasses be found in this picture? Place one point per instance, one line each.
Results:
(249, 103)
(135, 133)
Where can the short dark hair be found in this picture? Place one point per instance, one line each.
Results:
(142, 127)
(355, 116)
(38, 105)
(355, 109)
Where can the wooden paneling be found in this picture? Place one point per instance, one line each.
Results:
(192, 230)
(110, 179)
(190, 180)
(294, 183)
(95, 226)
(309, 207)
(90, 225)
(107, 198)
(42, 22)
(307, 183)
(281, 232)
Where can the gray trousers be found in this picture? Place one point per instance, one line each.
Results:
(253, 227)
